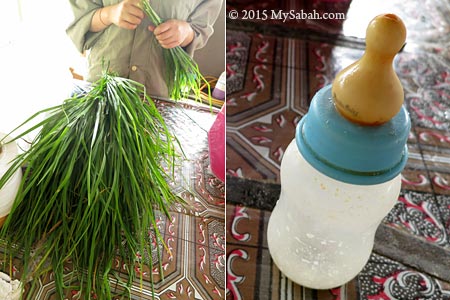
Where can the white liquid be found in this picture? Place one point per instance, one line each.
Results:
(321, 232)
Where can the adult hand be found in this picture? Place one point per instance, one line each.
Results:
(126, 14)
(173, 33)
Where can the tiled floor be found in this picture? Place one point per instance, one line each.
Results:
(195, 235)
(252, 275)
(274, 69)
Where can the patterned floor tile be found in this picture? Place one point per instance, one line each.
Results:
(246, 162)
(206, 193)
(383, 278)
(443, 202)
(204, 214)
(419, 214)
(257, 94)
(262, 75)
(416, 180)
(244, 225)
(251, 273)
(193, 263)
(437, 160)
(241, 272)
(208, 273)
(426, 80)
(441, 183)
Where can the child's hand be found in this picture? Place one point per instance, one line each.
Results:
(173, 33)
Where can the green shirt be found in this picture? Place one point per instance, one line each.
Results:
(136, 54)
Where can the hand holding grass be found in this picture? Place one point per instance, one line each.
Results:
(183, 75)
(173, 33)
(126, 14)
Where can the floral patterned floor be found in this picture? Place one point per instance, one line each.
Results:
(274, 68)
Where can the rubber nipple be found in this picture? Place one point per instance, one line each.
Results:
(368, 92)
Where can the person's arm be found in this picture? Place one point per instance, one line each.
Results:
(79, 29)
(201, 21)
(126, 14)
(192, 33)
(100, 19)
(87, 27)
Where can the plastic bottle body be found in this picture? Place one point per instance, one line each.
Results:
(321, 231)
(219, 89)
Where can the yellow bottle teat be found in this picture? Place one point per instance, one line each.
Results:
(368, 92)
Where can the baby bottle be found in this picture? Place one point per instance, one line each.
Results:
(340, 175)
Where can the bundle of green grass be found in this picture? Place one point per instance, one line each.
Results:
(96, 175)
(183, 76)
